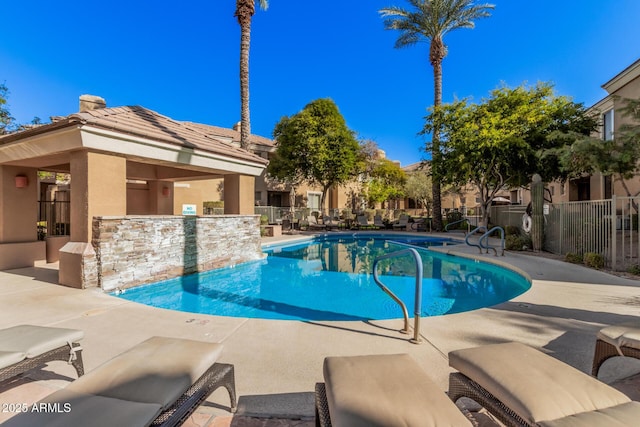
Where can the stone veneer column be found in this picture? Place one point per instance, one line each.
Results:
(239, 194)
(98, 187)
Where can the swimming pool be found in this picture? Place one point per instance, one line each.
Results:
(329, 278)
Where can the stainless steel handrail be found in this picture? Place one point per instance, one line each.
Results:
(486, 235)
(418, 300)
(471, 233)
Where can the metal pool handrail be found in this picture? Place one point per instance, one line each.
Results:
(485, 237)
(418, 303)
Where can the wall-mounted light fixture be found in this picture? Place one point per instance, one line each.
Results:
(21, 181)
(165, 191)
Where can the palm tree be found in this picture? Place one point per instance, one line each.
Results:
(245, 9)
(430, 20)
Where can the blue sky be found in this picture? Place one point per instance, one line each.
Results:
(181, 59)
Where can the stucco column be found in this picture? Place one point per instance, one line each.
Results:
(239, 194)
(98, 188)
(19, 245)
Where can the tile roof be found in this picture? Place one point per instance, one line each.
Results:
(234, 135)
(142, 122)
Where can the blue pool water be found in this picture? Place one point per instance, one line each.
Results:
(329, 278)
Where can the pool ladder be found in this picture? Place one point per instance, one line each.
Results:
(483, 242)
(418, 300)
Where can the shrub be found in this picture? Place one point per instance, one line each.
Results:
(573, 258)
(593, 260)
(512, 230)
(517, 243)
(264, 220)
(217, 204)
(634, 269)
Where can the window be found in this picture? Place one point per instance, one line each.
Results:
(258, 198)
(313, 200)
(607, 125)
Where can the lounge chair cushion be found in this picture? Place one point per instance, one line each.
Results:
(85, 410)
(133, 375)
(385, 390)
(36, 340)
(622, 335)
(8, 358)
(623, 415)
(535, 386)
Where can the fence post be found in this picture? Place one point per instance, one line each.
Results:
(614, 232)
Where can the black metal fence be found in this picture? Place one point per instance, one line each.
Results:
(54, 219)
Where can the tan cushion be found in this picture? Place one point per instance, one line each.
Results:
(385, 390)
(66, 409)
(625, 415)
(622, 335)
(8, 358)
(157, 370)
(535, 386)
(36, 340)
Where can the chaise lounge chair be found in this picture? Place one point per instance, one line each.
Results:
(382, 390)
(524, 387)
(616, 340)
(26, 347)
(402, 222)
(159, 382)
(362, 222)
(313, 223)
(378, 222)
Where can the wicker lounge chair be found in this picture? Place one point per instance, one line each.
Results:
(159, 382)
(616, 340)
(26, 347)
(378, 223)
(524, 387)
(382, 390)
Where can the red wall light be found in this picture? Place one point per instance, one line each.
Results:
(165, 191)
(21, 181)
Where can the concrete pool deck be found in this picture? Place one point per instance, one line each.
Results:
(278, 362)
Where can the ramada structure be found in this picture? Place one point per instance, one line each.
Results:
(126, 165)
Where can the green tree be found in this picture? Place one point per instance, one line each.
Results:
(618, 157)
(419, 188)
(430, 20)
(245, 9)
(316, 146)
(6, 120)
(501, 142)
(386, 182)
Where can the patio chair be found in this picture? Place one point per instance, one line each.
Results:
(361, 222)
(159, 382)
(382, 390)
(616, 340)
(402, 222)
(524, 387)
(313, 223)
(378, 223)
(331, 223)
(26, 347)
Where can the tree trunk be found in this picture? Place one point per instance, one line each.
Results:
(244, 13)
(436, 56)
(537, 214)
